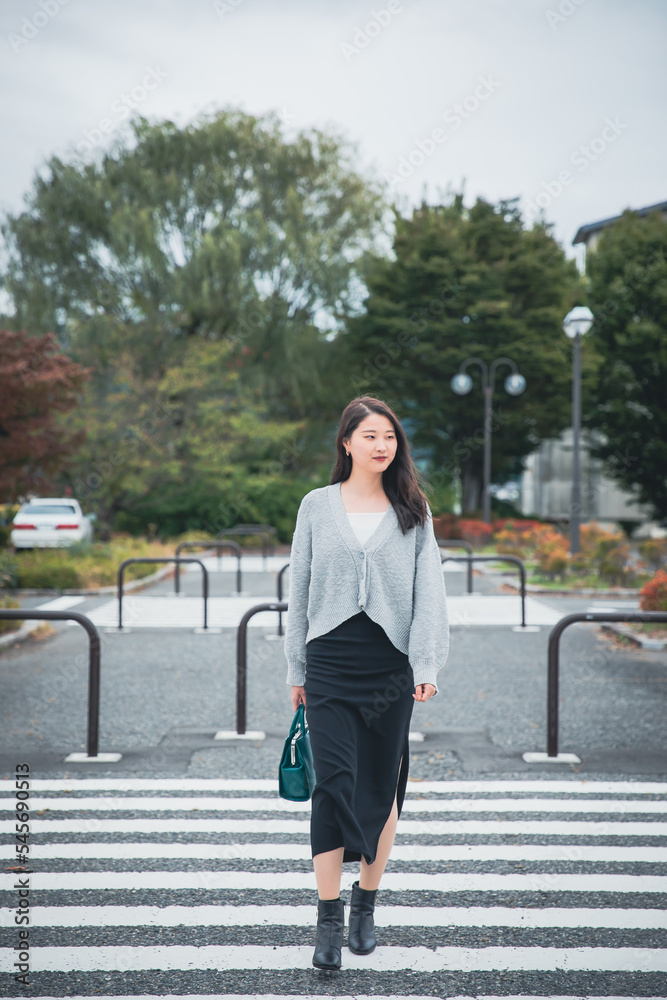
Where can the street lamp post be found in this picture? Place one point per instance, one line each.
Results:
(577, 323)
(462, 384)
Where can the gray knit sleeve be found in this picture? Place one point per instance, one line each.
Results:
(428, 645)
(299, 585)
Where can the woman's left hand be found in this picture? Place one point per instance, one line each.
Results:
(423, 692)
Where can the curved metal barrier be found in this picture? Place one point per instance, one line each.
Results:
(266, 531)
(458, 543)
(159, 559)
(553, 657)
(21, 614)
(510, 559)
(234, 546)
(280, 596)
(241, 660)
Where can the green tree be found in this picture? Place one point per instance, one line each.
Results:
(171, 242)
(467, 283)
(188, 449)
(222, 229)
(628, 279)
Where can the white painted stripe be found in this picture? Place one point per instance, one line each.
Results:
(391, 882)
(169, 803)
(575, 786)
(497, 609)
(303, 916)
(413, 828)
(184, 612)
(384, 959)
(165, 803)
(400, 852)
(60, 603)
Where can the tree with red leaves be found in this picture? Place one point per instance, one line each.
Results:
(37, 383)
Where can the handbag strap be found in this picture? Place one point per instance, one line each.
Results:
(299, 720)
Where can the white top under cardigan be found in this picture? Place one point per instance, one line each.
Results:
(365, 524)
(395, 578)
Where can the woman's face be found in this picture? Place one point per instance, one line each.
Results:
(373, 444)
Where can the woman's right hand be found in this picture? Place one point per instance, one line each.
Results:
(298, 697)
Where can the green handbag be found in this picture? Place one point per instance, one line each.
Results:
(296, 774)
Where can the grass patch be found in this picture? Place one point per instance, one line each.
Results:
(590, 581)
(9, 626)
(568, 581)
(655, 631)
(82, 567)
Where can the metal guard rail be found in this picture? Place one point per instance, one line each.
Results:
(21, 614)
(241, 659)
(280, 595)
(266, 531)
(160, 559)
(510, 559)
(554, 657)
(234, 546)
(458, 543)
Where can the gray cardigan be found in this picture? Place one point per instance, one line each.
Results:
(396, 579)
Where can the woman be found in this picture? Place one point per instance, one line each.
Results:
(367, 632)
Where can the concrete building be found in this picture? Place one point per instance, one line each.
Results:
(546, 489)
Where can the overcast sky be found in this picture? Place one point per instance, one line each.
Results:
(501, 96)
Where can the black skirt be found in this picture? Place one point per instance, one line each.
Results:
(359, 703)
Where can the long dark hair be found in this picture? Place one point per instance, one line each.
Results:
(402, 481)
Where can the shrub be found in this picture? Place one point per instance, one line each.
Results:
(475, 531)
(521, 526)
(52, 573)
(508, 543)
(603, 552)
(5, 625)
(654, 552)
(590, 535)
(551, 553)
(8, 571)
(611, 558)
(557, 563)
(447, 526)
(580, 563)
(86, 566)
(653, 595)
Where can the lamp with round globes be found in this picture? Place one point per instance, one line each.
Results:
(461, 384)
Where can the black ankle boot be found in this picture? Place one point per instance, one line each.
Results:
(329, 940)
(361, 931)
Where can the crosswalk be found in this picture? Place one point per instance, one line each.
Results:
(204, 887)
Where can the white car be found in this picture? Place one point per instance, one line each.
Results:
(50, 522)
